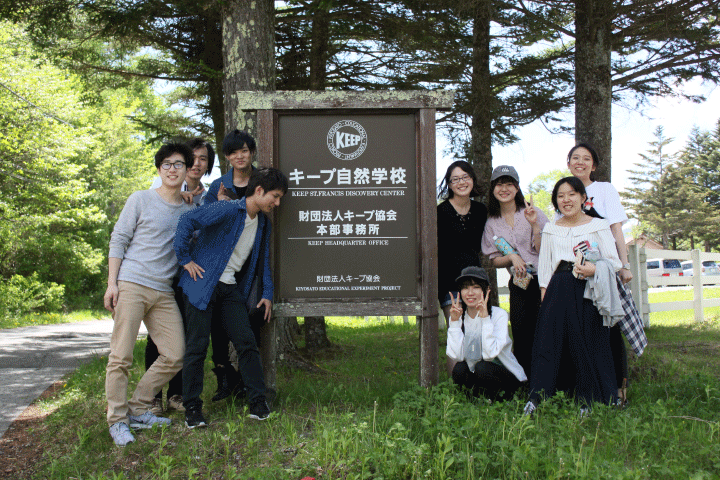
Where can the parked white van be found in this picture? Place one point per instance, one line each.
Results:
(660, 267)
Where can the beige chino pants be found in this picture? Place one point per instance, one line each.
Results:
(159, 311)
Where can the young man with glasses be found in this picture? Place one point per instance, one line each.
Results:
(141, 268)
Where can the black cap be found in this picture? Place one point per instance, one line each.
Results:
(478, 273)
(505, 171)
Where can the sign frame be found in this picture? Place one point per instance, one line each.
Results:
(269, 106)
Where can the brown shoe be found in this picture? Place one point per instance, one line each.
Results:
(157, 406)
(176, 403)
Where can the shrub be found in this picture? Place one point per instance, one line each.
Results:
(22, 295)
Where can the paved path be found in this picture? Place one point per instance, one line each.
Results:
(33, 358)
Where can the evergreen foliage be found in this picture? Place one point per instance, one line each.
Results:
(66, 167)
(673, 197)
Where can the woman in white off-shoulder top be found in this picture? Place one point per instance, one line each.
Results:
(571, 351)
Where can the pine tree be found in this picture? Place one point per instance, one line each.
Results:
(655, 195)
(700, 169)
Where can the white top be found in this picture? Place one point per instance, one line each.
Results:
(496, 341)
(242, 250)
(558, 243)
(606, 200)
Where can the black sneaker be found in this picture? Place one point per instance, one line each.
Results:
(194, 418)
(259, 410)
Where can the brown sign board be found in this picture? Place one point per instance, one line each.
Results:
(356, 234)
(347, 227)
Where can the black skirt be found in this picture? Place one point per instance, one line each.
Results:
(571, 350)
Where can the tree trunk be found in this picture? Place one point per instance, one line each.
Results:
(248, 32)
(320, 34)
(593, 85)
(315, 327)
(482, 96)
(483, 112)
(286, 331)
(316, 334)
(248, 54)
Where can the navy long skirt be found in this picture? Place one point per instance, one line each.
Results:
(571, 350)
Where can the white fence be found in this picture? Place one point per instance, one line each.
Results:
(641, 281)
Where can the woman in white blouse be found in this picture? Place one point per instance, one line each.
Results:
(571, 350)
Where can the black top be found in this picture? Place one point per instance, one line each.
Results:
(240, 191)
(459, 242)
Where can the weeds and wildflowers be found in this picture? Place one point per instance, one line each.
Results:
(366, 418)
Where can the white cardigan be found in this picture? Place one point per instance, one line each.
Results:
(496, 341)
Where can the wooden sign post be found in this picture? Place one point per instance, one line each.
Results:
(356, 233)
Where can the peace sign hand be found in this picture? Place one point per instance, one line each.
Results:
(456, 308)
(222, 193)
(483, 309)
(530, 212)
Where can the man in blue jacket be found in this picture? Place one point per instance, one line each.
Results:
(230, 234)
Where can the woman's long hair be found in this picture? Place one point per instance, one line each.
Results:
(593, 154)
(494, 204)
(445, 192)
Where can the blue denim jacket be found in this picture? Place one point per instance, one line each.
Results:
(220, 225)
(226, 180)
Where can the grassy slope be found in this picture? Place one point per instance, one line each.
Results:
(362, 415)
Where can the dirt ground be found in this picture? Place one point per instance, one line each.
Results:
(22, 444)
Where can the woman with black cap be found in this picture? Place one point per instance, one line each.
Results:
(513, 220)
(478, 340)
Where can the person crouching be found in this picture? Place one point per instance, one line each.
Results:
(478, 340)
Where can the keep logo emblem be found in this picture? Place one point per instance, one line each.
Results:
(347, 140)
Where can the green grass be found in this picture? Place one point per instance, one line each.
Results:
(361, 415)
(51, 318)
(680, 295)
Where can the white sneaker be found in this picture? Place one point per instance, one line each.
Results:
(529, 408)
(147, 420)
(121, 434)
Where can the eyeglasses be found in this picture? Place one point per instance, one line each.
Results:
(177, 165)
(464, 178)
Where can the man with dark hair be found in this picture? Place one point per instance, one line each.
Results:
(193, 192)
(239, 148)
(141, 268)
(204, 162)
(204, 155)
(230, 234)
